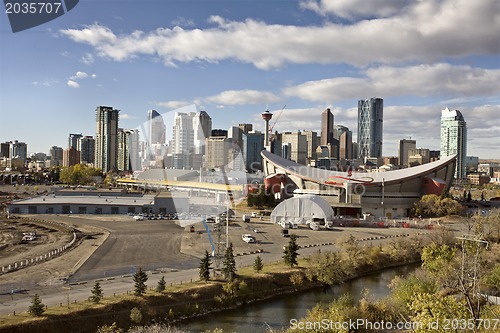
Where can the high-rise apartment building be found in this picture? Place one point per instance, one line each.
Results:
(454, 138)
(71, 156)
(370, 127)
(106, 138)
(18, 150)
(128, 150)
(86, 146)
(73, 140)
(56, 156)
(218, 151)
(404, 149)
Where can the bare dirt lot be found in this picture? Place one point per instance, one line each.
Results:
(54, 271)
(14, 249)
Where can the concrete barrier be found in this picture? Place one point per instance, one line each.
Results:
(47, 256)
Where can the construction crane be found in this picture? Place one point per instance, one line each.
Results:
(274, 124)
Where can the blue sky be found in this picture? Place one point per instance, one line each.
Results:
(236, 58)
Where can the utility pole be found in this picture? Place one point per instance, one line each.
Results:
(470, 275)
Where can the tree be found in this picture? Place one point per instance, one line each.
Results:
(162, 285)
(78, 174)
(436, 259)
(140, 278)
(328, 267)
(135, 315)
(290, 253)
(258, 265)
(205, 267)
(37, 308)
(229, 263)
(97, 293)
(432, 205)
(110, 329)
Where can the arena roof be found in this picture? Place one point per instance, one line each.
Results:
(321, 175)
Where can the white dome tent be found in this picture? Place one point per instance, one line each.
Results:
(303, 209)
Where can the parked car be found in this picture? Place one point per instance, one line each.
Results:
(284, 233)
(254, 214)
(248, 238)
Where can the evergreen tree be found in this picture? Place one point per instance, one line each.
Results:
(229, 263)
(258, 265)
(37, 308)
(251, 199)
(162, 285)
(97, 293)
(290, 253)
(205, 267)
(469, 197)
(140, 278)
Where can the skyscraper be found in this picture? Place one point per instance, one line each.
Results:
(404, 148)
(188, 138)
(370, 127)
(454, 138)
(345, 142)
(253, 143)
(327, 127)
(128, 150)
(156, 128)
(106, 138)
(312, 144)
(298, 146)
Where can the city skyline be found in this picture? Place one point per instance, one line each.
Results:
(256, 56)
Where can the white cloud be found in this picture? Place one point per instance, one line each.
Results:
(81, 75)
(183, 22)
(426, 31)
(73, 84)
(88, 59)
(356, 8)
(127, 116)
(242, 97)
(173, 104)
(46, 83)
(386, 81)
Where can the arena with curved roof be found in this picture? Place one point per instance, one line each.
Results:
(388, 194)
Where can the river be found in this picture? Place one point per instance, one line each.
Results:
(277, 312)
